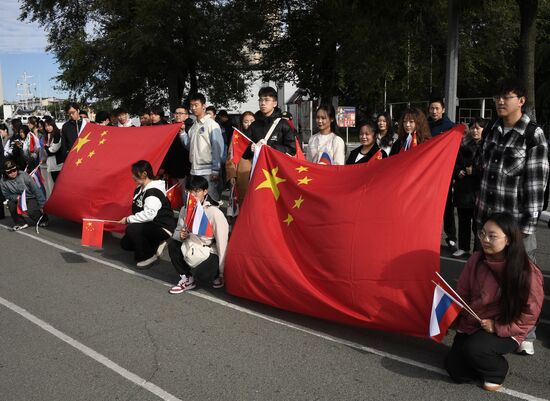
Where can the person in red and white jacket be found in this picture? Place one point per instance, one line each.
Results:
(505, 289)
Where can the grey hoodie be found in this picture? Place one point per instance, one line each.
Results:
(11, 189)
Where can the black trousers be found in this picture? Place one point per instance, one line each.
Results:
(204, 273)
(33, 212)
(479, 356)
(466, 226)
(449, 225)
(143, 239)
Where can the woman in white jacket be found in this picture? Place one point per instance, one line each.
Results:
(326, 147)
(152, 220)
(209, 272)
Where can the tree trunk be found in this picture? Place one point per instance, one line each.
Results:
(528, 36)
(176, 84)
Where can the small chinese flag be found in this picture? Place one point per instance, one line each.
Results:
(175, 196)
(92, 233)
(299, 152)
(239, 143)
(377, 156)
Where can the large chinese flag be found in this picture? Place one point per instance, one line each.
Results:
(96, 180)
(354, 244)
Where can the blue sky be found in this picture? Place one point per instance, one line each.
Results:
(22, 49)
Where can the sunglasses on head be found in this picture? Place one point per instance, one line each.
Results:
(11, 170)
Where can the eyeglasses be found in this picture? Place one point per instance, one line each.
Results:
(496, 99)
(482, 235)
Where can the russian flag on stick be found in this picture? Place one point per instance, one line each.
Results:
(22, 203)
(196, 220)
(325, 158)
(445, 309)
(36, 175)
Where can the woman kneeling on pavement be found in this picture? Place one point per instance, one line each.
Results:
(18, 187)
(504, 288)
(152, 221)
(205, 270)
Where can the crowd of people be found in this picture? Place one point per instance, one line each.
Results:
(497, 188)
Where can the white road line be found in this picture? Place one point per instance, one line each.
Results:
(314, 333)
(91, 353)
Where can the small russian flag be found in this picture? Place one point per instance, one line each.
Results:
(22, 203)
(445, 309)
(196, 220)
(36, 175)
(34, 142)
(325, 158)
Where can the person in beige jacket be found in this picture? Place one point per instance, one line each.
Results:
(208, 273)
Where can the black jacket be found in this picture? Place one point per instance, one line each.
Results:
(355, 152)
(281, 139)
(466, 188)
(165, 216)
(61, 152)
(69, 134)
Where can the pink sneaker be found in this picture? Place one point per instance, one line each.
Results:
(186, 283)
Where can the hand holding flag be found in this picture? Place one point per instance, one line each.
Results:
(195, 218)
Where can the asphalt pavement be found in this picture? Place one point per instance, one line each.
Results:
(83, 324)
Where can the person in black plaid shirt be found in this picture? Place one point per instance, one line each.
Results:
(514, 170)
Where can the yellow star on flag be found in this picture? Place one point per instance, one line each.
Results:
(103, 134)
(288, 220)
(89, 226)
(301, 169)
(304, 181)
(272, 182)
(91, 154)
(79, 162)
(81, 142)
(298, 202)
(102, 141)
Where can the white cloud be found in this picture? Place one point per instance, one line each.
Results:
(17, 36)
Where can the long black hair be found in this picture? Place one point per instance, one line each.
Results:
(143, 166)
(331, 113)
(386, 140)
(516, 276)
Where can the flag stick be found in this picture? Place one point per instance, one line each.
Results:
(459, 298)
(461, 303)
(106, 221)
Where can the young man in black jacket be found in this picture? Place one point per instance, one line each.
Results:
(70, 130)
(282, 136)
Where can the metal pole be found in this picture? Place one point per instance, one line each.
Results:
(347, 136)
(452, 60)
(482, 108)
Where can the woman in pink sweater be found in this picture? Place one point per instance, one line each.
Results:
(505, 289)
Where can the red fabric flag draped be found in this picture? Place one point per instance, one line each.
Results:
(96, 180)
(92, 233)
(239, 143)
(353, 244)
(299, 152)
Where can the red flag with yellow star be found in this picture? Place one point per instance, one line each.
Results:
(96, 181)
(354, 244)
(92, 233)
(239, 143)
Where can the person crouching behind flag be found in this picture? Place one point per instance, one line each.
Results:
(505, 289)
(152, 221)
(18, 187)
(209, 272)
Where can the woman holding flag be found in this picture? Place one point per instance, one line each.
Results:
(197, 249)
(23, 195)
(369, 148)
(505, 290)
(152, 220)
(325, 147)
(413, 129)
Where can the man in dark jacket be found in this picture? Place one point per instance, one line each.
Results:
(438, 120)
(282, 136)
(70, 130)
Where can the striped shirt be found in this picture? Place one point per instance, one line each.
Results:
(514, 173)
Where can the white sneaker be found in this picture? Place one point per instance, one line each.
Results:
(160, 249)
(19, 228)
(458, 253)
(491, 386)
(526, 348)
(147, 262)
(218, 282)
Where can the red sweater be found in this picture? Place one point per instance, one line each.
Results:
(479, 288)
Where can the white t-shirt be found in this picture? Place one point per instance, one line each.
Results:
(330, 143)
